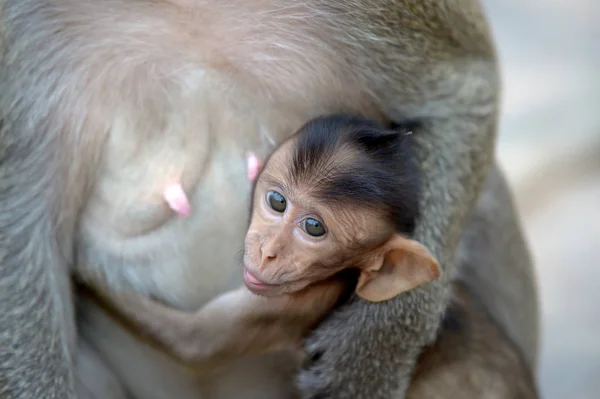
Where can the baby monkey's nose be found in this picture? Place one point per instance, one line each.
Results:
(266, 258)
(271, 249)
(268, 254)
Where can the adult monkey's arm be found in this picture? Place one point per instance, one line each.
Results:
(41, 169)
(441, 68)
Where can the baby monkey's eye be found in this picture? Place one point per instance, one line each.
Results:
(314, 227)
(276, 201)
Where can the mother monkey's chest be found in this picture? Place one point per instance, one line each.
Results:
(208, 90)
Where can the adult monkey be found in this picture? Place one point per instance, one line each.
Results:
(90, 91)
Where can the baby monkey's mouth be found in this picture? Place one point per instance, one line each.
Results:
(259, 287)
(256, 285)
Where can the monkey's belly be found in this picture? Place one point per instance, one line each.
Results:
(183, 260)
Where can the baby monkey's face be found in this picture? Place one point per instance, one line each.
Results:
(295, 240)
(297, 237)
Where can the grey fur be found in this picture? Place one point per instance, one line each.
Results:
(430, 60)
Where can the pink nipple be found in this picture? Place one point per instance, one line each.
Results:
(177, 200)
(254, 167)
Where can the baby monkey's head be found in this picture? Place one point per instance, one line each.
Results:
(341, 193)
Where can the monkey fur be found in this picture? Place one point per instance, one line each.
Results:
(93, 93)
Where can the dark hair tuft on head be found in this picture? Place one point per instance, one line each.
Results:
(380, 174)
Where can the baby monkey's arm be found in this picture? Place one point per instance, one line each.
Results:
(235, 324)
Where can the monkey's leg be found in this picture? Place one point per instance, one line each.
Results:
(494, 262)
(472, 358)
(487, 345)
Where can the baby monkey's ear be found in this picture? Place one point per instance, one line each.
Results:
(400, 265)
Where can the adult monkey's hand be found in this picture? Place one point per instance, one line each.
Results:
(441, 70)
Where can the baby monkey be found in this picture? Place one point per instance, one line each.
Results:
(341, 194)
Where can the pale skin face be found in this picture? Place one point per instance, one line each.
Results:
(292, 234)
(295, 240)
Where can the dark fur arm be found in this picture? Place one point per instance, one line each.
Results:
(369, 350)
(37, 219)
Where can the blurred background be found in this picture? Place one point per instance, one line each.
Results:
(549, 147)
